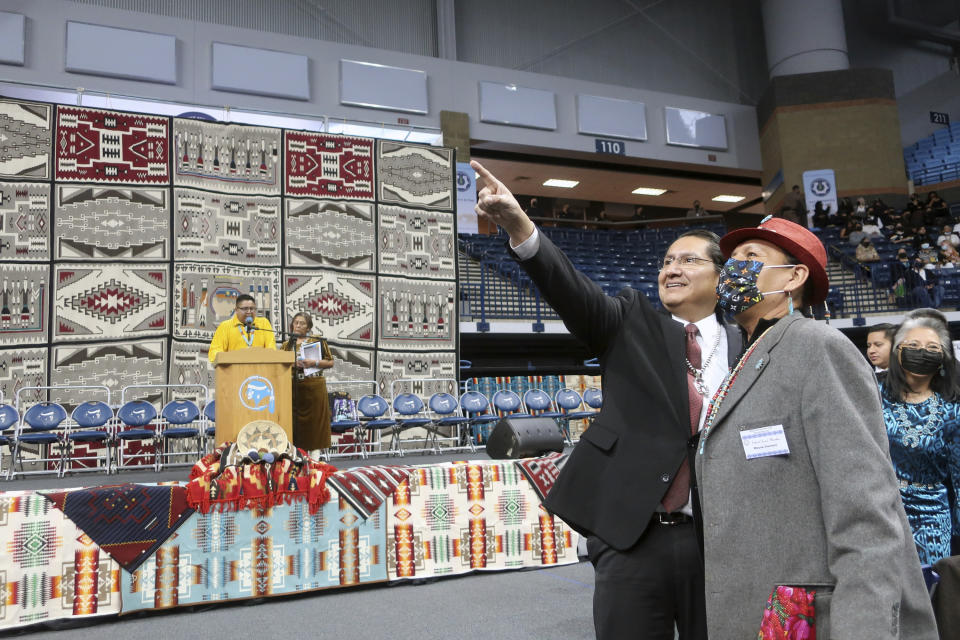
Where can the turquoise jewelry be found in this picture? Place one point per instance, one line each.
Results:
(913, 433)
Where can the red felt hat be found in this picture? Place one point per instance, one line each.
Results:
(798, 241)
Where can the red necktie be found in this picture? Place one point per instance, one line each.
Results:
(679, 490)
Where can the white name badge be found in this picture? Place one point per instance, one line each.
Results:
(765, 441)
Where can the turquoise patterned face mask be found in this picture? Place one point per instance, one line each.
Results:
(737, 288)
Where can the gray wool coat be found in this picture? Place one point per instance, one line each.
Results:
(827, 515)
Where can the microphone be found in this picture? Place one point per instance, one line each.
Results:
(250, 327)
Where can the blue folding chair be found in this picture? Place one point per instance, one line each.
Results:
(408, 412)
(372, 409)
(594, 398)
(137, 424)
(9, 417)
(476, 407)
(40, 425)
(210, 431)
(179, 421)
(447, 413)
(91, 421)
(509, 403)
(570, 401)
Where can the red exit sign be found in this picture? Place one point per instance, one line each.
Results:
(403, 120)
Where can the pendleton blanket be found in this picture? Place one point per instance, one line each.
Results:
(251, 485)
(128, 521)
(365, 488)
(542, 472)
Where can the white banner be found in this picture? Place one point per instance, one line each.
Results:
(820, 186)
(466, 198)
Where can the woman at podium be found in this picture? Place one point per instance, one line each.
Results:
(311, 408)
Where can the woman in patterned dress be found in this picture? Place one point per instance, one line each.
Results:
(311, 407)
(922, 417)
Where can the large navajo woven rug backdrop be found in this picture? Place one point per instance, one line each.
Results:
(126, 237)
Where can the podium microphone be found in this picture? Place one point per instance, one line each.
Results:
(250, 326)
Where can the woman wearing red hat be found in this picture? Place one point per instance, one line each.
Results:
(803, 525)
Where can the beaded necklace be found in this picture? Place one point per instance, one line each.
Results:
(721, 393)
(248, 340)
(912, 433)
(698, 373)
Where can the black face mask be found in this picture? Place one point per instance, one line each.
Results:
(920, 361)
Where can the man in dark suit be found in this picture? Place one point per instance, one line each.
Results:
(627, 484)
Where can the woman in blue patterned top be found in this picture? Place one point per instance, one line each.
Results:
(922, 416)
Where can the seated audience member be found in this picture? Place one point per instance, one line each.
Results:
(923, 287)
(879, 342)
(915, 218)
(872, 225)
(848, 228)
(899, 272)
(922, 418)
(900, 235)
(857, 235)
(821, 215)
(949, 236)
(921, 238)
(866, 252)
(949, 257)
(937, 212)
(913, 204)
(844, 207)
(860, 210)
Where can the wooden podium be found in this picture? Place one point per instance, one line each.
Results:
(253, 384)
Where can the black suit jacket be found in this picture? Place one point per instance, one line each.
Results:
(618, 473)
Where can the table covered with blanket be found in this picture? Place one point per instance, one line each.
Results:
(112, 550)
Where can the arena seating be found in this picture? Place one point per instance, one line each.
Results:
(935, 158)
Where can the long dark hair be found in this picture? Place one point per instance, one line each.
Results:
(944, 381)
(292, 342)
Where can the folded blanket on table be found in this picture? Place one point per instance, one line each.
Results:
(128, 521)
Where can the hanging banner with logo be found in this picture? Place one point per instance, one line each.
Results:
(820, 186)
(466, 198)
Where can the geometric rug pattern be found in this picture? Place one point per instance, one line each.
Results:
(50, 569)
(458, 517)
(24, 221)
(443, 519)
(125, 239)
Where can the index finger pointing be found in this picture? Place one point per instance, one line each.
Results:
(484, 173)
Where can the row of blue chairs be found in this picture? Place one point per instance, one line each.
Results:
(462, 421)
(133, 433)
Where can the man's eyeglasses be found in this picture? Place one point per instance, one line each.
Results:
(683, 261)
(247, 309)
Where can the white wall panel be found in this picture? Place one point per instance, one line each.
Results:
(121, 53)
(260, 71)
(12, 26)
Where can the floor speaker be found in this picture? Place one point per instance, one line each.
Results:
(524, 438)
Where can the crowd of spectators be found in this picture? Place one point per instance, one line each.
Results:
(924, 236)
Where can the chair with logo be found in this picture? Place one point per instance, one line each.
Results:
(347, 435)
(570, 402)
(137, 430)
(476, 409)
(372, 410)
(447, 414)
(508, 403)
(180, 421)
(409, 412)
(90, 422)
(179, 427)
(40, 426)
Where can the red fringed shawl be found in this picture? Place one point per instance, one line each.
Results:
(258, 486)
